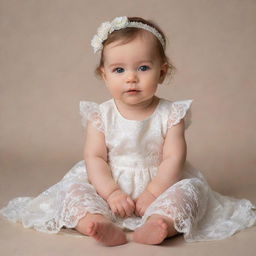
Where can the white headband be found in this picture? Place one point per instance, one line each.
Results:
(107, 28)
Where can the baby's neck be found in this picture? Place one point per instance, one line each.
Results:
(138, 111)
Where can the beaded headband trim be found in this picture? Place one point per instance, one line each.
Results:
(107, 28)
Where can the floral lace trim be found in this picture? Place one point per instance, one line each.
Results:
(49, 213)
(90, 111)
(179, 109)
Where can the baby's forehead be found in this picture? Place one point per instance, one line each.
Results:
(145, 38)
(141, 47)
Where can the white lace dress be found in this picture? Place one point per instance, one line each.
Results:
(134, 153)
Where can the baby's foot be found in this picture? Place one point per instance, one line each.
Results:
(152, 232)
(106, 233)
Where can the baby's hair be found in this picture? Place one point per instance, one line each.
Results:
(128, 34)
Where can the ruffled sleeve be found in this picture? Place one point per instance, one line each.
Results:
(90, 111)
(178, 111)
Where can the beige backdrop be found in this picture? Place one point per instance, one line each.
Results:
(47, 66)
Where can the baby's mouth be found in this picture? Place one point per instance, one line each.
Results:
(132, 91)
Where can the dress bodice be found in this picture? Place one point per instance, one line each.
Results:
(134, 143)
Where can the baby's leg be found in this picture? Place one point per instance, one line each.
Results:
(155, 230)
(185, 202)
(82, 198)
(101, 229)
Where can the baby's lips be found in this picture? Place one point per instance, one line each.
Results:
(132, 90)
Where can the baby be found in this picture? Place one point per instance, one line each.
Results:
(134, 174)
(132, 65)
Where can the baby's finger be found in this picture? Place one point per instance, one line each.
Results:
(113, 209)
(137, 212)
(142, 212)
(131, 210)
(131, 202)
(121, 211)
(128, 212)
(127, 208)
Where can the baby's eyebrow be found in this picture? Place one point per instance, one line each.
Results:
(123, 64)
(115, 64)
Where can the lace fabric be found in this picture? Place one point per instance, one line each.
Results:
(61, 205)
(179, 110)
(134, 155)
(90, 112)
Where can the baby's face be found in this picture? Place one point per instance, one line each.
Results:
(132, 71)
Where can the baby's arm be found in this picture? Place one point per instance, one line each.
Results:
(174, 156)
(170, 169)
(99, 173)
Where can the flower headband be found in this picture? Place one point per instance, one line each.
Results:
(107, 28)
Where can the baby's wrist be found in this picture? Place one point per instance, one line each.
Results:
(151, 193)
(112, 192)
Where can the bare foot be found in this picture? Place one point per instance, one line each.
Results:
(106, 233)
(154, 231)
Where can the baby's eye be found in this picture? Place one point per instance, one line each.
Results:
(118, 70)
(143, 68)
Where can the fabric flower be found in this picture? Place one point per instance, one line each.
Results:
(118, 23)
(103, 30)
(96, 43)
(107, 28)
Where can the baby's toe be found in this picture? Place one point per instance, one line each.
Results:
(91, 229)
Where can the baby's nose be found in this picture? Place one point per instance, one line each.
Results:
(131, 77)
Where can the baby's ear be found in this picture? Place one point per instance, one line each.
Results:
(163, 72)
(103, 74)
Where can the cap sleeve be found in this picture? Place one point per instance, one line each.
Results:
(180, 110)
(90, 111)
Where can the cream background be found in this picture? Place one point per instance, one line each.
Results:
(46, 68)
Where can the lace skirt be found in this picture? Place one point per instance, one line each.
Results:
(198, 212)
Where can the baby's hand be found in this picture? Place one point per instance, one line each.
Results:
(120, 203)
(143, 201)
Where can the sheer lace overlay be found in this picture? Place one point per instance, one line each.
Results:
(185, 202)
(134, 154)
(61, 205)
(90, 112)
(179, 110)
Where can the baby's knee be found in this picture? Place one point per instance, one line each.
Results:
(185, 199)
